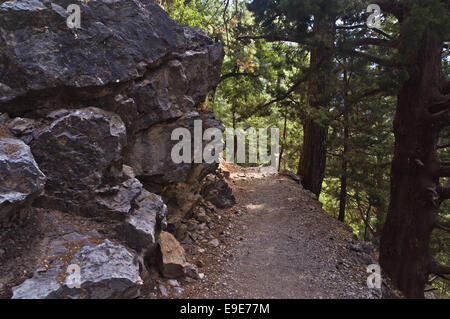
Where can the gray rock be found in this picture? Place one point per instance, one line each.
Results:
(181, 231)
(291, 175)
(192, 272)
(78, 147)
(118, 199)
(217, 191)
(21, 180)
(178, 291)
(77, 61)
(79, 152)
(151, 152)
(107, 271)
(3, 118)
(363, 247)
(214, 242)
(202, 217)
(173, 283)
(192, 225)
(43, 285)
(141, 226)
(163, 291)
(20, 126)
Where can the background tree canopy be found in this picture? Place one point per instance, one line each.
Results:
(316, 71)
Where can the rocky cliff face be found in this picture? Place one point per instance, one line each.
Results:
(86, 117)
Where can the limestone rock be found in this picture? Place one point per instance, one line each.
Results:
(3, 118)
(107, 271)
(23, 128)
(118, 197)
(173, 260)
(21, 180)
(141, 226)
(163, 291)
(78, 152)
(151, 154)
(108, 50)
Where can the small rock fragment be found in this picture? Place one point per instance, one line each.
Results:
(163, 291)
(215, 242)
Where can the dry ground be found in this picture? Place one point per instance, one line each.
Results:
(276, 242)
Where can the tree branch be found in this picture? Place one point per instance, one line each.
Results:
(362, 26)
(235, 74)
(430, 289)
(446, 86)
(372, 58)
(351, 27)
(372, 41)
(443, 171)
(443, 146)
(438, 269)
(268, 38)
(288, 93)
(443, 277)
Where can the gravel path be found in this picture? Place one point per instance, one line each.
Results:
(281, 244)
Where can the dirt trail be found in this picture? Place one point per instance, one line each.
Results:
(280, 244)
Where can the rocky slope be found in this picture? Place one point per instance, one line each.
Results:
(86, 115)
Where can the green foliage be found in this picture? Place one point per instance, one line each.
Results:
(360, 115)
(423, 15)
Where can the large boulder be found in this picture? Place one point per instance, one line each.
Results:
(81, 155)
(129, 56)
(76, 149)
(150, 154)
(97, 106)
(106, 270)
(178, 184)
(21, 180)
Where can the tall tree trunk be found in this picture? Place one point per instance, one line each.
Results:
(233, 113)
(405, 244)
(343, 194)
(283, 144)
(367, 222)
(313, 158)
(285, 114)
